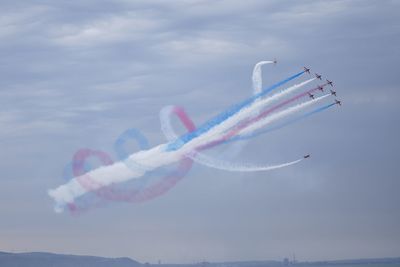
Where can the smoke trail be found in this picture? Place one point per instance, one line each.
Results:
(218, 163)
(237, 167)
(252, 110)
(257, 82)
(257, 76)
(250, 121)
(110, 193)
(120, 172)
(228, 166)
(277, 127)
(179, 150)
(225, 115)
(204, 159)
(263, 120)
(123, 138)
(165, 119)
(242, 114)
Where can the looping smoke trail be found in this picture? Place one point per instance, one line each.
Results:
(242, 119)
(120, 150)
(109, 192)
(78, 167)
(124, 137)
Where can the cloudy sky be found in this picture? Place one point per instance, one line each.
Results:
(76, 75)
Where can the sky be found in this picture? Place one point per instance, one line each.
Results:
(77, 74)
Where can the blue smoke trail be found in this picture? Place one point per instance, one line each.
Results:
(225, 115)
(124, 137)
(122, 154)
(277, 127)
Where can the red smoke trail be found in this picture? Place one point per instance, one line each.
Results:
(262, 115)
(110, 193)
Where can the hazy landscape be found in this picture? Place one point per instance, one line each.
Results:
(40, 259)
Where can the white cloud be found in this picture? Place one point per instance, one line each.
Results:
(199, 48)
(130, 26)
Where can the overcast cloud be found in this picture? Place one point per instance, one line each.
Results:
(78, 73)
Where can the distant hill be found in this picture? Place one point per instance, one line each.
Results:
(39, 259)
(384, 262)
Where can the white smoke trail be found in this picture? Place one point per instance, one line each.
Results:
(233, 120)
(279, 115)
(115, 173)
(249, 112)
(150, 159)
(166, 124)
(217, 163)
(257, 85)
(257, 76)
(256, 106)
(244, 113)
(243, 167)
(236, 167)
(213, 162)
